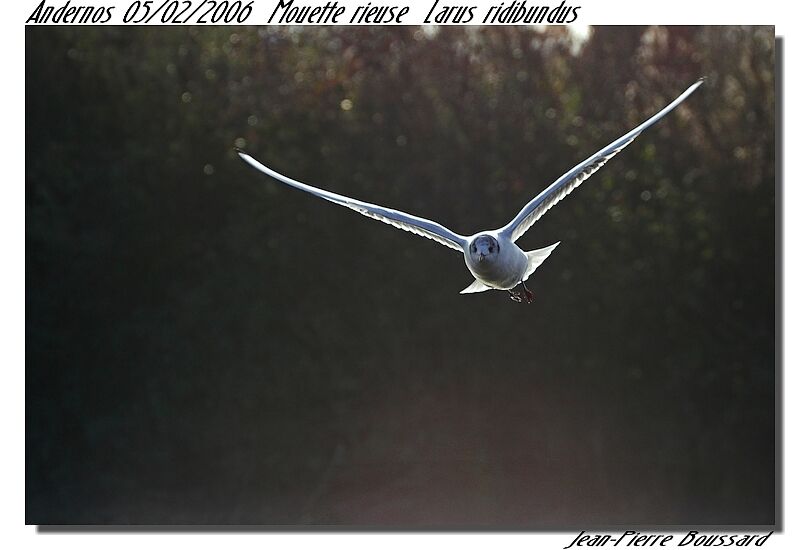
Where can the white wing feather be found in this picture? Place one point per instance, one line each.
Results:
(564, 185)
(401, 220)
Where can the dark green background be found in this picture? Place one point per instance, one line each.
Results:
(204, 345)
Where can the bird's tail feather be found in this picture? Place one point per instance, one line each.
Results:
(477, 286)
(537, 257)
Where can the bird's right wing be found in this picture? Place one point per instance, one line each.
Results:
(401, 220)
(564, 185)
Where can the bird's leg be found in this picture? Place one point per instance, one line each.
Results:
(525, 295)
(528, 294)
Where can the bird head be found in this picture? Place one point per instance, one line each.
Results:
(484, 248)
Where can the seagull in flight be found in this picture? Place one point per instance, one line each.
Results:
(493, 257)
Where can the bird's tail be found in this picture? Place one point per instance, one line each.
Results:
(477, 286)
(537, 257)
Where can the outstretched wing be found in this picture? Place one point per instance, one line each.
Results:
(401, 220)
(564, 185)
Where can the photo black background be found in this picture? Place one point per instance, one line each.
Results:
(206, 346)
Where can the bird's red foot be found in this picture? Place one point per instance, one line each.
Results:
(528, 295)
(524, 295)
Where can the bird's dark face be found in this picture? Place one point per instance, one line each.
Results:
(484, 248)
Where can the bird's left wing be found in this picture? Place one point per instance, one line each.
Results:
(564, 185)
(401, 220)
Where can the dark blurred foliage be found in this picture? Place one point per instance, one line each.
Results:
(205, 345)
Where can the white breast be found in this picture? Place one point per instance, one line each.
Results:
(504, 271)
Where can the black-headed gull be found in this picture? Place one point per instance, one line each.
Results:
(491, 256)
